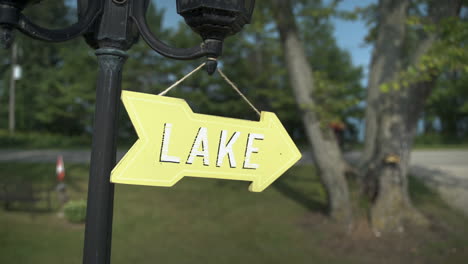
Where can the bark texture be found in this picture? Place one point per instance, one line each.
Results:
(395, 118)
(385, 64)
(328, 156)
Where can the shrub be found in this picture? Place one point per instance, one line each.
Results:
(75, 211)
(41, 140)
(439, 139)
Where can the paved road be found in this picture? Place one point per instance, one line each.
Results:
(444, 170)
(448, 162)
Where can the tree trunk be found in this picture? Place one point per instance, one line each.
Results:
(392, 205)
(398, 114)
(385, 65)
(325, 148)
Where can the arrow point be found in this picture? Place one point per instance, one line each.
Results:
(288, 155)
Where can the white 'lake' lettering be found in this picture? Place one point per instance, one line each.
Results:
(200, 148)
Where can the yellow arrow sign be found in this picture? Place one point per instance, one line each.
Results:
(175, 142)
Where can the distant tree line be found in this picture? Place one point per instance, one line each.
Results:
(56, 93)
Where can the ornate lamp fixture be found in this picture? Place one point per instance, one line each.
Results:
(214, 20)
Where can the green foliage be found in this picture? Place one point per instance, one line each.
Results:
(57, 92)
(337, 88)
(75, 211)
(449, 59)
(335, 100)
(440, 140)
(445, 65)
(42, 140)
(448, 53)
(449, 104)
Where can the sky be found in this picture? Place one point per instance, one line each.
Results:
(349, 34)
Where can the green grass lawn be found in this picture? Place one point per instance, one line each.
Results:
(212, 221)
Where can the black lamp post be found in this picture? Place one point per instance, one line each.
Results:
(112, 27)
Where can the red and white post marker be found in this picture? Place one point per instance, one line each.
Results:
(60, 169)
(61, 186)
